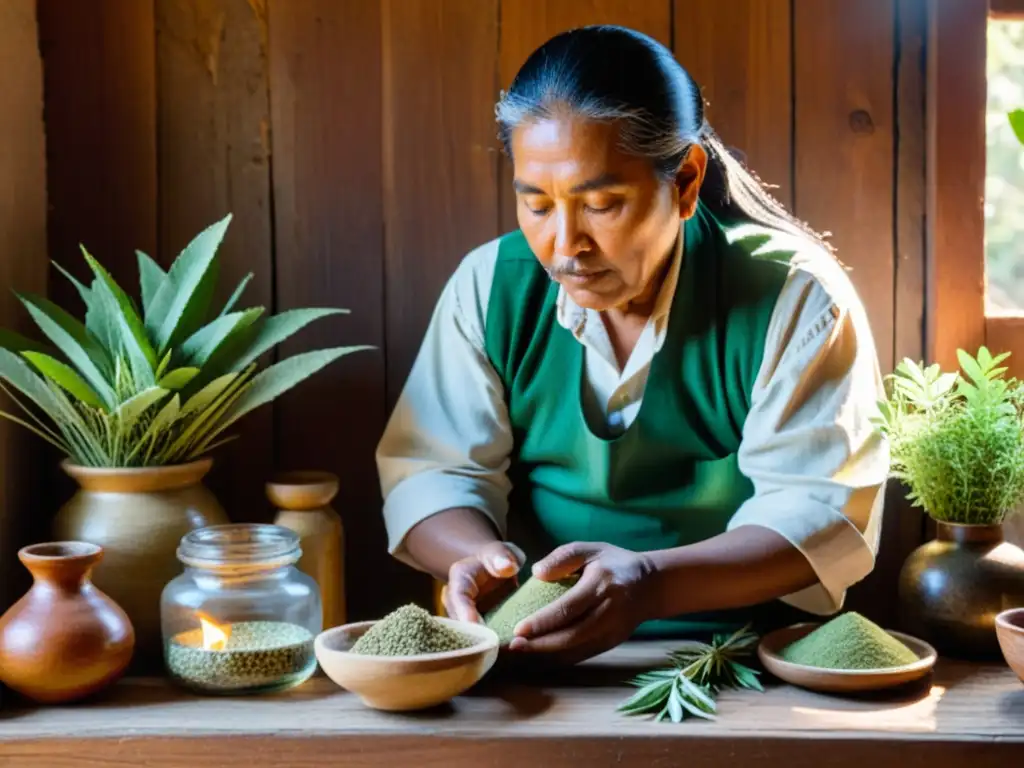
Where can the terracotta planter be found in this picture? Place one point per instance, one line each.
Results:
(303, 501)
(138, 516)
(951, 589)
(64, 639)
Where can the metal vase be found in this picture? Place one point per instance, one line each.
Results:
(952, 588)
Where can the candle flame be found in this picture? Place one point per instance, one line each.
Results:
(215, 637)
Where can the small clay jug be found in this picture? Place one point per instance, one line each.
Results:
(951, 589)
(64, 639)
(303, 501)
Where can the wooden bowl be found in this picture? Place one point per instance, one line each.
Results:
(841, 680)
(400, 683)
(1010, 631)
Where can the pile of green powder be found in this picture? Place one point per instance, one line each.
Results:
(524, 602)
(410, 631)
(849, 641)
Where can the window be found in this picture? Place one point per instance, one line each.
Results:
(1004, 168)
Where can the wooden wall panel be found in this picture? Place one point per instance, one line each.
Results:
(214, 158)
(23, 263)
(527, 24)
(957, 95)
(100, 78)
(844, 142)
(441, 179)
(740, 53)
(325, 80)
(912, 29)
(844, 91)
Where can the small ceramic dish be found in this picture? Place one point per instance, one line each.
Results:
(399, 683)
(1010, 631)
(769, 651)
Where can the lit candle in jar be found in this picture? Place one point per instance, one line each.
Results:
(239, 657)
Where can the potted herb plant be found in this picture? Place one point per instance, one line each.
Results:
(957, 443)
(137, 397)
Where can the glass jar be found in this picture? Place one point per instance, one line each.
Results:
(241, 618)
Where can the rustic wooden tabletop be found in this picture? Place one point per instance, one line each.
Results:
(963, 714)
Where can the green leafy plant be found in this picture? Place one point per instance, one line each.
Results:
(697, 673)
(957, 438)
(154, 386)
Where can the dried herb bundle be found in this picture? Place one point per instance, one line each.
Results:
(699, 671)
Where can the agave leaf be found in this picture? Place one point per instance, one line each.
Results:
(135, 340)
(20, 375)
(164, 419)
(97, 321)
(74, 341)
(162, 368)
(65, 376)
(151, 279)
(201, 346)
(204, 425)
(202, 399)
(278, 328)
(236, 295)
(15, 342)
(181, 302)
(178, 378)
(281, 377)
(130, 410)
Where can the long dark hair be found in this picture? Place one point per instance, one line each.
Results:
(612, 73)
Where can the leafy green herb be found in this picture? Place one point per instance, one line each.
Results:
(957, 438)
(128, 388)
(698, 672)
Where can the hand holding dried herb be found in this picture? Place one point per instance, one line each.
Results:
(699, 671)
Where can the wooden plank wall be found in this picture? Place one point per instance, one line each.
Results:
(22, 261)
(354, 142)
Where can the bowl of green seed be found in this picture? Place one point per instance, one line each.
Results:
(407, 660)
(846, 654)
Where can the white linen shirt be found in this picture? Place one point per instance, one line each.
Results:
(817, 465)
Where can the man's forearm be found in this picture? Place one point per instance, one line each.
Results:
(447, 537)
(742, 567)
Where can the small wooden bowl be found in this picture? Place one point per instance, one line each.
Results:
(769, 651)
(1010, 631)
(400, 683)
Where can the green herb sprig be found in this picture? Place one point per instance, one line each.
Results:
(698, 672)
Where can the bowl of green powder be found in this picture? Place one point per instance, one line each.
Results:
(407, 660)
(846, 654)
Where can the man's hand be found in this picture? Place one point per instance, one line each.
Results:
(478, 582)
(612, 597)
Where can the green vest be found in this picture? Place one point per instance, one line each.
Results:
(672, 477)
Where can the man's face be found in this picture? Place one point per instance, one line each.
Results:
(600, 221)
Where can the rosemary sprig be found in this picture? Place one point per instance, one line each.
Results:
(699, 671)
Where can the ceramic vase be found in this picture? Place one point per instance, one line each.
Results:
(952, 588)
(303, 502)
(138, 517)
(64, 639)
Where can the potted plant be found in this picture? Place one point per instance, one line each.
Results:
(137, 397)
(957, 443)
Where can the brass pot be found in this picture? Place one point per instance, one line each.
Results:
(951, 589)
(138, 516)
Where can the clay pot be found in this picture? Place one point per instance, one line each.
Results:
(65, 639)
(303, 501)
(951, 589)
(138, 516)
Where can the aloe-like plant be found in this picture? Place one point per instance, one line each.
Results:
(160, 386)
(957, 437)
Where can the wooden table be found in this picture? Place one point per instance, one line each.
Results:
(965, 714)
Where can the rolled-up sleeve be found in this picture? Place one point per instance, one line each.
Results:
(817, 463)
(448, 440)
